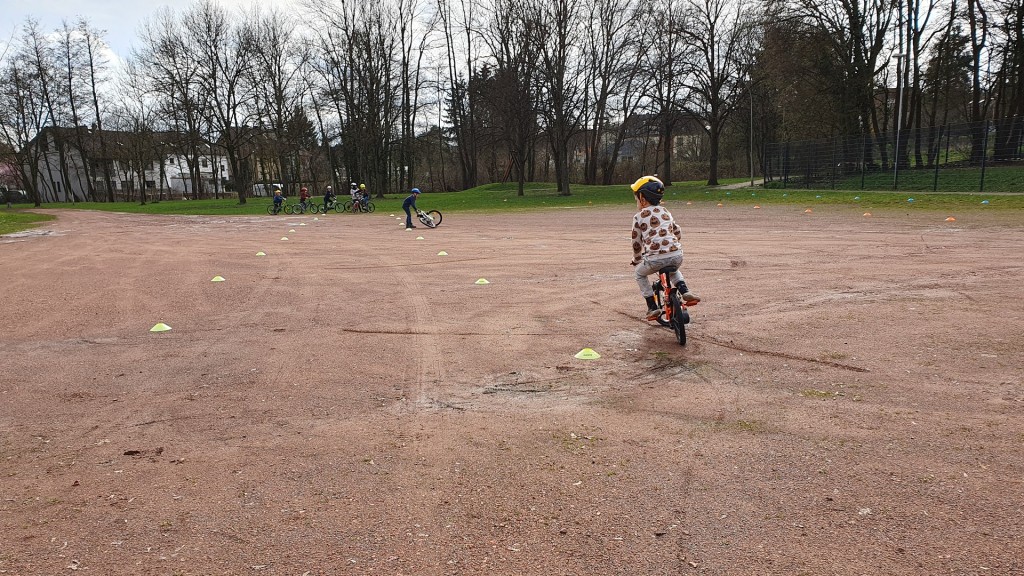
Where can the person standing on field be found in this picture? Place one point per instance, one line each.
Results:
(410, 202)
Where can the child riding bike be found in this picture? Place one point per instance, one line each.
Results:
(657, 242)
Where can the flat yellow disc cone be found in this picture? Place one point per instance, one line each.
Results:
(719, 204)
(292, 230)
(482, 281)
(217, 279)
(867, 213)
(160, 327)
(442, 253)
(808, 211)
(261, 253)
(284, 237)
(302, 224)
(316, 219)
(756, 207)
(419, 237)
(587, 354)
(950, 219)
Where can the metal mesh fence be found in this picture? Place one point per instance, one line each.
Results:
(970, 157)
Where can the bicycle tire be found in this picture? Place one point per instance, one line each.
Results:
(340, 209)
(271, 211)
(370, 207)
(677, 320)
(347, 206)
(436, 216)
(289, 209)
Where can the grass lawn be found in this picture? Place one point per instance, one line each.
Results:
(539, 196)
(16, 220)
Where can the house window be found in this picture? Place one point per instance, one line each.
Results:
(126, 185)
(205, 163)
(150, 184)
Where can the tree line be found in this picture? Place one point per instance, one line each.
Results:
(450, 94)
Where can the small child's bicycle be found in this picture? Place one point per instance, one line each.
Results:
(674, 313)
(430, 219)
(362, 204)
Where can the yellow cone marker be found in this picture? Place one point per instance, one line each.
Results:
(442, 253)
(756, 207)
(482, 281)
(284, 237)
(689, 203)
(261, 253)
(719, 204)
(316, 219)
(217, 279)
(867, 213)
(950, 219)
(302, 223)
(292, 230)
(587, 354)
(392, 215)
(808, 211)
(419, 237)
(160, 327)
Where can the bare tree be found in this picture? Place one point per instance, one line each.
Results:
(612, 57)
(510, 94)
(663, 52)
(563, 93)
(718, 35)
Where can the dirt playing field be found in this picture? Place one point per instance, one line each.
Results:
(353, 402)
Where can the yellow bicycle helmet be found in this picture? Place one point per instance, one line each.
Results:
(650, 187)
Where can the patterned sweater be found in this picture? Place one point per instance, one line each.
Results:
(655, 233)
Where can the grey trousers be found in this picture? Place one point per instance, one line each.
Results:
(651, 265)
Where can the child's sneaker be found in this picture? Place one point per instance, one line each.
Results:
(653, 314)
(690, 297)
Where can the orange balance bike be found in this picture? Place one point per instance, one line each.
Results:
(674, 314)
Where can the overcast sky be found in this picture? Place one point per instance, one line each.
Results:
(120, 18)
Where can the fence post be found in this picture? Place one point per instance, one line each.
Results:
(785, 166)
(863, 160)
(938, 145)
(984, 156)
(834, 162)
(896, 160)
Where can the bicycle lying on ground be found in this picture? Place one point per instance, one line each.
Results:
(674, 313)
(430, 219)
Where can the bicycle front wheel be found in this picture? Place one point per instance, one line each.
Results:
(435, 216)
(271, 210)
(370, 207)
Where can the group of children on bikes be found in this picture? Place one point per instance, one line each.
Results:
(360, 198)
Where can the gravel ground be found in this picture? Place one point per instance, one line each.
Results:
(849, 401)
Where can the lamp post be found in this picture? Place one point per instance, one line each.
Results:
(899, 118)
